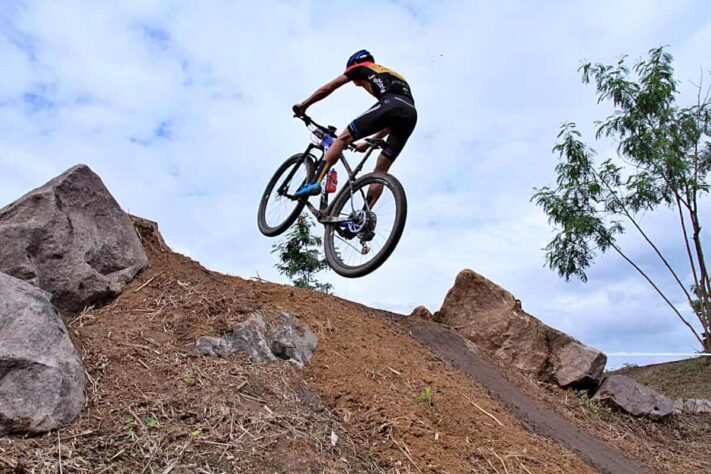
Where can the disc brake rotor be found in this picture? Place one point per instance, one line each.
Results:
(357, 221)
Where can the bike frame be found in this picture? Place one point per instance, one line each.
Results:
(329, 134)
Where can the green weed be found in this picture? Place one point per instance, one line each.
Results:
(425, 397)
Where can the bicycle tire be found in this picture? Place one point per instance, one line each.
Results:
(274, 230)
(342, 198)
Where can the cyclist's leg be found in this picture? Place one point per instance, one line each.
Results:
(366, 124)
(382, 165)
(334, 152)
(403, 123)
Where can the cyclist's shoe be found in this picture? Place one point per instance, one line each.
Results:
(368, 232)
(313, 189)
(343, 230)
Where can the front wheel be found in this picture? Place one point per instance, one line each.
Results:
(365, 237)
(278, 209)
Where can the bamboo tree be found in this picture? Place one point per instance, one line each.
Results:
(663, 159)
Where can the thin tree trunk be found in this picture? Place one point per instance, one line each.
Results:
(702, 294)
(664, 297)
(704, 277)
(644, 235)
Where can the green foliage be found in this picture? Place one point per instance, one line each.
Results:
(150, 421)
(663, 158)
(425, 397)
(300, 256)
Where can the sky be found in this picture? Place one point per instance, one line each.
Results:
(184, 110)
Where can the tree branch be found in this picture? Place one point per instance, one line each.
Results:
(644, 235)
(656, 288)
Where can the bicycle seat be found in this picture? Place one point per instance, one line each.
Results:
(375, 142)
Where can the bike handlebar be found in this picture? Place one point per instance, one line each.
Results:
(329, 130)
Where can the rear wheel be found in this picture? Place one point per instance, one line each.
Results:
(278, 209)
(361, 243)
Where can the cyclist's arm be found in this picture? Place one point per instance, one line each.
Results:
(324, 91)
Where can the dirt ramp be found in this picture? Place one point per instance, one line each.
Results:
(455, 349)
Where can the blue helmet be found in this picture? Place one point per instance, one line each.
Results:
(361, 56)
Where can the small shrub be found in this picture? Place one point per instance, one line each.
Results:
(425, 397)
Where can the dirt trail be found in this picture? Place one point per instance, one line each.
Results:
(454, 348)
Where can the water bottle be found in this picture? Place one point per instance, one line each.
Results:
(331, 181)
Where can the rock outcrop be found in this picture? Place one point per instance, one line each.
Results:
(633, 397)
(41, 376)
(422, 312)
(71, 238)
(692, 405)
(493, 320)
(281, 337)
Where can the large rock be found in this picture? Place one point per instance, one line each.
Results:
(280, 337)
(633, 397)
(692, 405)
(41, 377)
(493, 319)
(71, 238)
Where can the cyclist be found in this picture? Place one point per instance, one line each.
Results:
(394, 116)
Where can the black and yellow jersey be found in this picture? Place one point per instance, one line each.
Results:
(378, 80)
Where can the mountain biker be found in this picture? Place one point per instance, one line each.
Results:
(394, 116)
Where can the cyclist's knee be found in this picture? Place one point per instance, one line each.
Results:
(344, 138)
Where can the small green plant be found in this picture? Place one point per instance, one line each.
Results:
(425, 397)
(150, 421)
(300, 256)
(628, 365)
(195, 433)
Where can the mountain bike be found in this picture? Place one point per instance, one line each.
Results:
(358, 239)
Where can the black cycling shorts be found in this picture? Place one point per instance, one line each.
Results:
(394, 112)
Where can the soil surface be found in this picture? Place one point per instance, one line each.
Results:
(382, 394)
(685, 379)
(453, 347)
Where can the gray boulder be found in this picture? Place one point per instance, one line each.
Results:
(494, 320)
(692, 405)
(279, 337)
(71, 238)
(633, 397)
(41, 376)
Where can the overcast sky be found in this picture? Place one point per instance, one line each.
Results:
(183, 108)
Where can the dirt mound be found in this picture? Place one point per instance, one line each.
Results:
(372, 399)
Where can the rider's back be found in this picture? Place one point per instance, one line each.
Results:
(379, 80)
